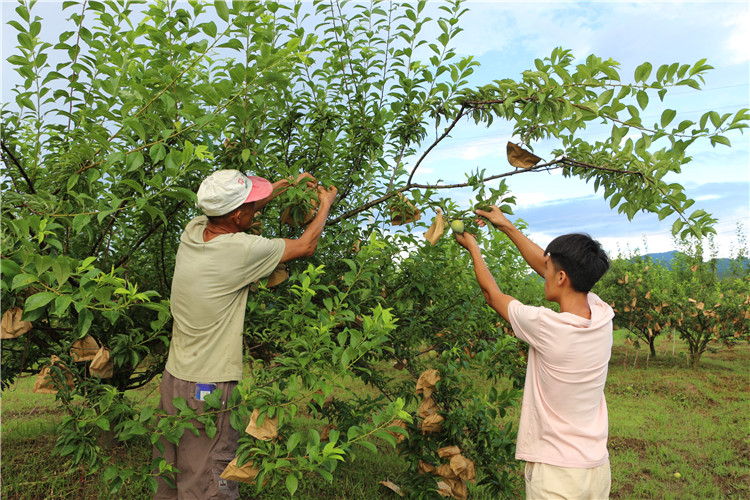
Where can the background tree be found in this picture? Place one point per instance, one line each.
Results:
(632, 286)
(689, 295)
(709, 311)
(113, 127)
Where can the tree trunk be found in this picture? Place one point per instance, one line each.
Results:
(696, 357)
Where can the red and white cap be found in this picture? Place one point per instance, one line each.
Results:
(225, 190)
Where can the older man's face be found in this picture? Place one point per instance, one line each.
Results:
(246, 215)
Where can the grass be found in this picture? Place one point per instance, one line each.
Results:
(665, 418)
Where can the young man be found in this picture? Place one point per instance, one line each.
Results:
(216, 262)
(563, 431)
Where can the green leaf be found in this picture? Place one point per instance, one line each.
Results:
(642, 98)
(103, 423)
(605, 97)
(291, 483)
(72, 181)
(9, 268)
(62, 272)
(85, 318)
(209, 28)
(368, 445)
(667, 116)
(38, 300)
(22, 280)
(642, 72)
(134, 161)
(293, 441)
(720, 139)
(221, 10)
(157, 152)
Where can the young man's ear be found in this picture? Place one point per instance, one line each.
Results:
(561, 277)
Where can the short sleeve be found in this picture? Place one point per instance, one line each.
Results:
(525, 321)
(262, 257)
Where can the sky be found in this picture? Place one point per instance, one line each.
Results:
(506, 37)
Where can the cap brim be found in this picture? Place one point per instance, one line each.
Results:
(261, 189)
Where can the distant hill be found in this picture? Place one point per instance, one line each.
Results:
(665, 258)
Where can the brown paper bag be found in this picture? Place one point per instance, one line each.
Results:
(393, 487)
(426, 382)
(11, 325)
(84, 349)
(427, 408)
(44, 383)
(463, 467)
(433, 423)
(437, 228)
(102, 366)
(266, 432)
(519, 157)
(444, 489)
(458, 488)
(448, 451)
(279, 275)
(401, 214)
(425, 467)
(245, 474)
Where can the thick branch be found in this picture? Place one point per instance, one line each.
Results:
(18, 165)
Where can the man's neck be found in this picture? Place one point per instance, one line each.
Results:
(213, 230)
(575, 303)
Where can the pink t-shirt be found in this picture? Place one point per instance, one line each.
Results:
(564, 414)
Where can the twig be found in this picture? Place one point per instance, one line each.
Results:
(459, 115)
(149, 233)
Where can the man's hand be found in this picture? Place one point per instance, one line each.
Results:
(305, 176)
(326, 196)
(495, 216)
(466, 240)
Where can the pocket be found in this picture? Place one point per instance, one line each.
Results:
(528, 471)
(225, 488)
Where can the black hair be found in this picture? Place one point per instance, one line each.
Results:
(581, 257)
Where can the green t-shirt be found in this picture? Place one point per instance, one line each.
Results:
(209, 298)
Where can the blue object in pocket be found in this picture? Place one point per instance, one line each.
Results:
(203, 390)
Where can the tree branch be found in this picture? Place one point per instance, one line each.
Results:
(18, 165)
(148, 234)
(554, 164)
(459, 115)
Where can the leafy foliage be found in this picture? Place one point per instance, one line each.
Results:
(114, 125)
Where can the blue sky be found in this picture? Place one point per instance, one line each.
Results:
(506, 37)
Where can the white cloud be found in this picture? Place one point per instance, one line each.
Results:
(738, 38)
(525, 200)
(708, 197)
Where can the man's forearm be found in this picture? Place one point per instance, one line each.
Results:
(530, 251)
(494, 297)
(315, 228)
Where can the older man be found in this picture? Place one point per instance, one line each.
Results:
(216, 262)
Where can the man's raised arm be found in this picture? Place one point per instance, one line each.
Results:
(530, 251)
(306, 244)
